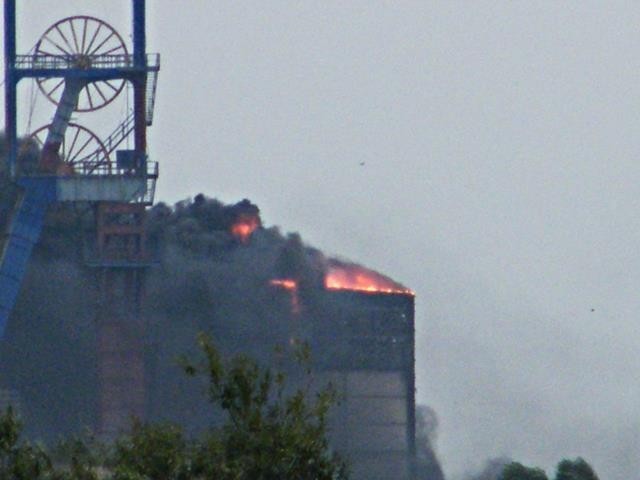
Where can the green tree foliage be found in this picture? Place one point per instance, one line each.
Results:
(517, 471)
(577, 469)
(81, 456)
(20, 461)
(23, 461)
(156, 452)
(272, 431)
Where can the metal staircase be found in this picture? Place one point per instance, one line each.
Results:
(119, 134)
(150, 91)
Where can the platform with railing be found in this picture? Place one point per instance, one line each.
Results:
(102, 182)
(37, 65)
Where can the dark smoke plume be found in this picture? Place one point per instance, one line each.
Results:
(427, 464)
(214, 264)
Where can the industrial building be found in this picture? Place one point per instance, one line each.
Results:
(359, 324)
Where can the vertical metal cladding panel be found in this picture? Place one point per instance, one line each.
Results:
(370, 338)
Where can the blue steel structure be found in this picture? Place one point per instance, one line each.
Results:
(22, 234)
(112, 185)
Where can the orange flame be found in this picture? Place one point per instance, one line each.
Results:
(357, 278)
(292, 286)
(244, 226)
(285, 283)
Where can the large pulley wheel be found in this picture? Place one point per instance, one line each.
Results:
(81, 149)
(83, 42)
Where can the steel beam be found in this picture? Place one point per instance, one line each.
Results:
(139, 33)
(10, 84)
(95, 74)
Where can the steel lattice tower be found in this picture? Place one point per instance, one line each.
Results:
(81, 64)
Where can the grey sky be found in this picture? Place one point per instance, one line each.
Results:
(500, 182)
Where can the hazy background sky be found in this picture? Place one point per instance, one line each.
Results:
(501, 183)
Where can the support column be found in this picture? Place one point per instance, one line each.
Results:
(121, 328)
(10, 84)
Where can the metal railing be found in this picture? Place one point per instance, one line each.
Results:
(87, 62)
(97, 165)
(105, 169)
(150, 191)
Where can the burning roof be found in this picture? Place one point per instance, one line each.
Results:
(349, 276)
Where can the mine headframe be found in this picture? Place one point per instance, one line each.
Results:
(80, 64)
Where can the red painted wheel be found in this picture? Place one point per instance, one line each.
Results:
(80, 148)
(83, 41)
